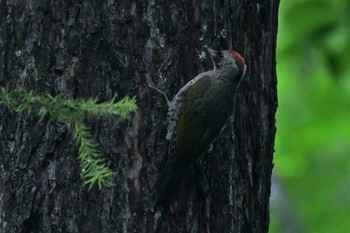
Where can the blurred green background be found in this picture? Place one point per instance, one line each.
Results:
(311, 183)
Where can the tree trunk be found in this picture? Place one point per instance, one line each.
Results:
(102, 48)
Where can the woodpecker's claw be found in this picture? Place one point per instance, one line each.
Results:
(154, 87)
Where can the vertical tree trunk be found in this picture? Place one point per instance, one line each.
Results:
(102, 48)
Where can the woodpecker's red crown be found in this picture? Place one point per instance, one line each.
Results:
(239, 60)
(227, 58)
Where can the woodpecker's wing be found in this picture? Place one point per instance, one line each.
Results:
(204, 111)
(174, 169)
(175, 105)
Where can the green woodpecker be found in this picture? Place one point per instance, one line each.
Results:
(197, 114)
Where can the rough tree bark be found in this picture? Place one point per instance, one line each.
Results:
(101, 48)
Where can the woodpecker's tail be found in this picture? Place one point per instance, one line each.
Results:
(169, 182)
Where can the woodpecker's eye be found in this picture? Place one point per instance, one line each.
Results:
(219, 54)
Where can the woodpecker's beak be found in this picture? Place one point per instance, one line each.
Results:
(214, 57)
(212, 52)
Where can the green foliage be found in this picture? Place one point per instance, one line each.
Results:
(74, 112)
(92, 163)
(313, 129)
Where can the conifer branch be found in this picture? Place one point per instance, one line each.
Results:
(74, 112)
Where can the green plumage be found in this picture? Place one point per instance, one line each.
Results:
(203, 113)
(196, 116)
(204, 110)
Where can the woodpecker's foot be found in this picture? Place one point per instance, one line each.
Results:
(152, 85)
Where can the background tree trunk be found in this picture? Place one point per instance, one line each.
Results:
(102, 48)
